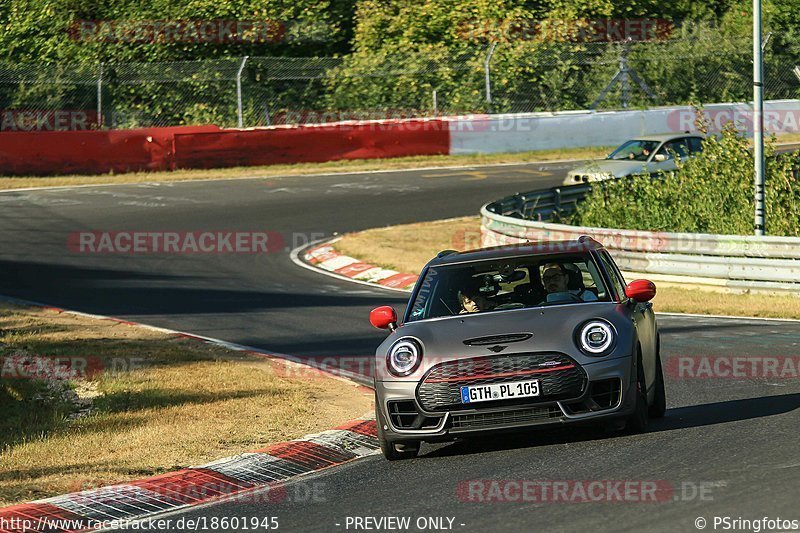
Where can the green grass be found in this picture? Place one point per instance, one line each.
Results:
(159, 403)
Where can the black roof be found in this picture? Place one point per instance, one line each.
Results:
(580, 245)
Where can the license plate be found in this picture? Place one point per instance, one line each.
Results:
(500, 391)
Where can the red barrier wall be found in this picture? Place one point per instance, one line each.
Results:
(99, 152)
(311, 144)
(90, 152)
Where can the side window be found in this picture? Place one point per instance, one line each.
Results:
(679, 147)
(695, 145)
(616, 277)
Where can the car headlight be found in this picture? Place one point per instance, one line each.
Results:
(596, 337)
(404, 357)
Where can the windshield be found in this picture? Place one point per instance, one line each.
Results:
(634, 151)
(489, 286)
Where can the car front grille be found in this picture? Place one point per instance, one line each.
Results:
(503, 418)
(560, 377)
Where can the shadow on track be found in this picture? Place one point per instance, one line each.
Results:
(679, 418)
(119, 292)
(728, 411)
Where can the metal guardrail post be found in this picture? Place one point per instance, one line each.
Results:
(758, 120)
(100, 96)
(487, 72)
(557, 202)
(239, 118)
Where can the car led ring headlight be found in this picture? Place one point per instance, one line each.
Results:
(404, 357)
(596, 337)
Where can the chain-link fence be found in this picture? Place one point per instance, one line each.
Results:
(500, 78)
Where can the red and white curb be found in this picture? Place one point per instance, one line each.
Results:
(226, 478)
(325, 258)
(238, 476)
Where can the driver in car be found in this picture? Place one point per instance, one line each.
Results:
(555, 279)
(471, 299)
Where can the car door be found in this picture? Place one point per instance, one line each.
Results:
(643, 317)
(661, 161)
(669, 151)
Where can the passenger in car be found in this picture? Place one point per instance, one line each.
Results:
(556, 279)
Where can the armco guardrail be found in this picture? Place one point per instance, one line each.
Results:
(734, 261)
(541, 205)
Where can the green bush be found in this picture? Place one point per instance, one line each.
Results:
(710, 193)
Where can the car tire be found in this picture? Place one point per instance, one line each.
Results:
(659, 406)
(637, 421)
(393, 451)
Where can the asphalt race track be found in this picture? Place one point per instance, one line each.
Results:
(727, 447)
(260, 300)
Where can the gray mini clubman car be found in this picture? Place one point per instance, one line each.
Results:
(513, 337)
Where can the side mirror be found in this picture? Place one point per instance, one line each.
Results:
(660, 158)
(383, 317)
(641, 290)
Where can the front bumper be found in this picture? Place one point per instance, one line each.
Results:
(608, 394)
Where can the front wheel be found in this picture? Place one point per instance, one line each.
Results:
(393, 451)
(637, 421)
(659, 406)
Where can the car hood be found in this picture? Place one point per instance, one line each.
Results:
(552, 328)
(610, 166)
